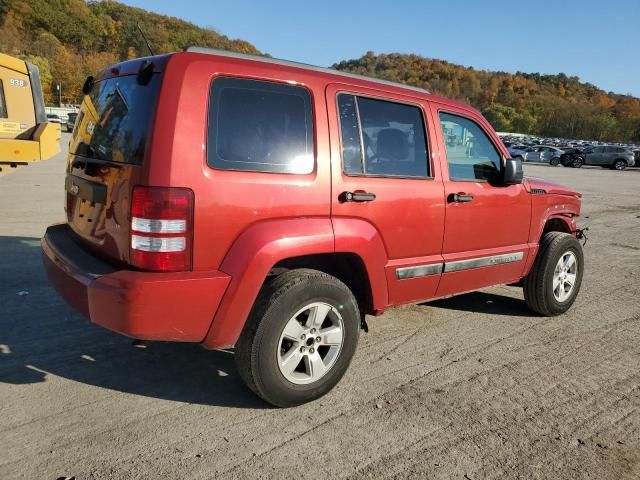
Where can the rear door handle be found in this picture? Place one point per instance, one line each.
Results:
(460, 198)
(357, 197)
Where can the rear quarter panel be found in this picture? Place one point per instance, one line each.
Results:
(229, 202)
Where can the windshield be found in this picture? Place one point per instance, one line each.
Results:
(115, 120)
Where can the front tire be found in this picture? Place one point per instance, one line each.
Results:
(299, 338)
(554, 162)
(556, 276)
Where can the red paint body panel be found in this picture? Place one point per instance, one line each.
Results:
(246, 222)
(549, 187)
(353, 235)
(407, 214)
(475, 278)
(496, 222)
(253, 254)
(149, 306)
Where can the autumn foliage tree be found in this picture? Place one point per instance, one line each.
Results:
(552, 105)
(71, 39)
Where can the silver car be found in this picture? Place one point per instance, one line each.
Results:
(541, 153)
(617, 158)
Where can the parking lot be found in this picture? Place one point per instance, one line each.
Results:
(471, 387)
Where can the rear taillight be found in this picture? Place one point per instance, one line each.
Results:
(162, 228)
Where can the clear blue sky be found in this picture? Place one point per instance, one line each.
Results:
(599, 41)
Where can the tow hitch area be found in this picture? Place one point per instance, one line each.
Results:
(581, 234)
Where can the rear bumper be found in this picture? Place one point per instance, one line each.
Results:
(146, 305)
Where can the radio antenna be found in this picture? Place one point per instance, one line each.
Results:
(145, 39)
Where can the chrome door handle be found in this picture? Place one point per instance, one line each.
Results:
(460, 198)
(357, 197)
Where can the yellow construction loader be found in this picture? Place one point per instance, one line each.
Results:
(25, 134)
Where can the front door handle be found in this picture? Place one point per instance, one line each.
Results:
(357, 197)
(460, 198)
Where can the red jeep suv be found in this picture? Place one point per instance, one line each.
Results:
(266, 205)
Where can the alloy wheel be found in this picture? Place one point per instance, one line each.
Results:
(310, 343)
(564, 276)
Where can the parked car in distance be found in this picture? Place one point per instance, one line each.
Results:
(71, 121)
(540, 153)
(53, 118)
(572, 157)
(515, 150)
(617, 158)
(315, 201)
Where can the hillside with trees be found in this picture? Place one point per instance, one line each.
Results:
(550, 105)
(71, 39)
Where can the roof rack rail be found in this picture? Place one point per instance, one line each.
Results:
(305, 66)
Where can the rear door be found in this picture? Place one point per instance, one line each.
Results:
(487, 224)
(106, 156)
(383, 177)
(547, 154)
(611, 153)
(596, 156)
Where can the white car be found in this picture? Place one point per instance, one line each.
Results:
(53, 118)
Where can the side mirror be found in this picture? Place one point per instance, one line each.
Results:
(513, 171)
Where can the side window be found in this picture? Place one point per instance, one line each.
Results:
(382, 138)
(3, 105)
(470, 152)
(260, 127)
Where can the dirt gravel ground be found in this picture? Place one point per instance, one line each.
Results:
(473, 387)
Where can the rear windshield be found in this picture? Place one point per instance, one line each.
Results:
(115, 120)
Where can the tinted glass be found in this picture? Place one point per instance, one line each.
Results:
(118, 114)
(260, 127)
(470, 152)
(350, 135)
(391, 141)
(3, 105)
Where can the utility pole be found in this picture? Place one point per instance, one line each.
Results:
(59, 88)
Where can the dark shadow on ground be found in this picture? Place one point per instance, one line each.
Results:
(483, 302)
(41, 335)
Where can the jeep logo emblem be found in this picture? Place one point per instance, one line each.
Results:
(74, 189)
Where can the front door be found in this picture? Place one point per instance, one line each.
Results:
(534, 154)
(545, 154)
(386, 186)
(487, 224)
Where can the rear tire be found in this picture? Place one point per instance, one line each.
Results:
(619, 165)
(556, 276)
(577, 162)
(278, 354)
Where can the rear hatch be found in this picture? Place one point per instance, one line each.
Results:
(107, 154)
